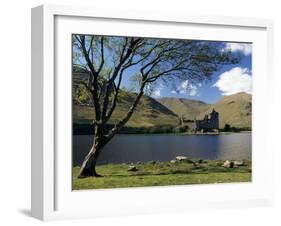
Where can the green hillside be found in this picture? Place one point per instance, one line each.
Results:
(235, 110)
(149, 113)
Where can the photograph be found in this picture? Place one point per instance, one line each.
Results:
(150, 111)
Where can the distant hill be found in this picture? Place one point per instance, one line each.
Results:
(184, 107)
(149, 113)
(235, 110)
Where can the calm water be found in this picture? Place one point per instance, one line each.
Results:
(133, 148)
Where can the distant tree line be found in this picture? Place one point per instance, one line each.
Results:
(229, 128)
(84, 129)
(88, 129)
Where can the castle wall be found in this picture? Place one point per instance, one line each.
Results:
(210, 122)
(191, 125)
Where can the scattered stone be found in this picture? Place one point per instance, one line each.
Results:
(239, 163)
(173, 161)
(132, 168)
(196, 164)
(181, 158)
(228, 164)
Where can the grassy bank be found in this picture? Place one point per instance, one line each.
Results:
(163, 173)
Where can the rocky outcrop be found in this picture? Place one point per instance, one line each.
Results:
(132, 168)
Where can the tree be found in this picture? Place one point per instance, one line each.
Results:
(106, 60)
(227, 128)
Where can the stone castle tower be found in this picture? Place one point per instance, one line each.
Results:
(210, 123)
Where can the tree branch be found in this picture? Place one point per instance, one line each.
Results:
(90, 47)
(123, 121)
(158, 45)
(86, 55)
(175, 68)
(102, 56)
(156, 60)
(93, 81)
(123, 59)
(114, 100)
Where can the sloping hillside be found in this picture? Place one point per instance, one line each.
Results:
(149, 113)
(189, 109)
(235, 110)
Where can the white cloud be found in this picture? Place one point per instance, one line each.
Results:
(157, 91)
(234, 81)
(245, 48)
(184, 85)
(193, 90)
(173, 91)
(187, 88)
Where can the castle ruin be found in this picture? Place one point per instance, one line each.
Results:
(210, 123)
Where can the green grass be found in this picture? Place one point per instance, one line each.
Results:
(162, 173)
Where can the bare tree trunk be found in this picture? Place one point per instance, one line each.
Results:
(88, 167)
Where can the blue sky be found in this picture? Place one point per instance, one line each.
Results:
(229, 80)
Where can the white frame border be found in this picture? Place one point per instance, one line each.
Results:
(43, 86)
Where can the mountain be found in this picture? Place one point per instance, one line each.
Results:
(235, 110)
(149, 113)
(189, 109)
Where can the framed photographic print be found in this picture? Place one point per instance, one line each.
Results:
(137, 112)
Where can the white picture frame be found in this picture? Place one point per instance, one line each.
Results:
(52, 196)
